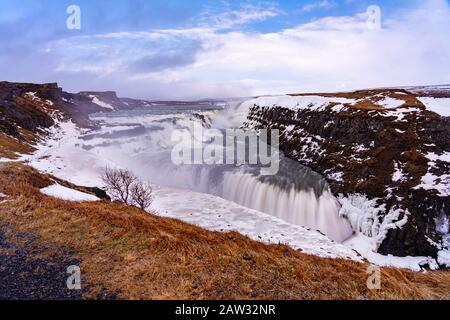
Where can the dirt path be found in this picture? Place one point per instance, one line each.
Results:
(26, 275)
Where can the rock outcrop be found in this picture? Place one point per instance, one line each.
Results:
(31, 106)
(382, 145)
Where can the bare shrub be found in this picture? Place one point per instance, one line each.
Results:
(124, 186)
(118, 183)
(141, 194)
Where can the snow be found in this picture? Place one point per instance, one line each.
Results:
(311, 102)
(392, 221)
(338, 108)
(399, 113)
(336, 176)
(444, 258)
(2, 195)
(398, 173)
(366, 246)
(369, 232)
(118, 128)
(363, 216)
(216, 214)
(63, 157)
(100, 103)
(320, 103)
(390, 103)
(432, 182)
(361, 212)
(33, 96)
(438, 105)
(435, 157)
(64, 193)
(442, 224)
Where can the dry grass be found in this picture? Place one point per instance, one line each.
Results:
(142, 256)
(368, 99)
(11, 148)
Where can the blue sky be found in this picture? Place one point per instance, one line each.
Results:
(193, 49)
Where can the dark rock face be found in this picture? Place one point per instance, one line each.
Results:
(99, 193)
(17, 109)
(108, 97)
(417, 236)
(34, 106)
(361, 150)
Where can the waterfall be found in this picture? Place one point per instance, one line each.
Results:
(296, 194)
(299, 207)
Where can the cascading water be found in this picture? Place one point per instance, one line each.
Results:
(300, 207)
(296, 194)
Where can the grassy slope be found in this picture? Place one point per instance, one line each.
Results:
(139, 255)
(11, 147)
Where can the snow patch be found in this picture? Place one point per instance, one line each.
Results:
(100, 103)
(438, 105)
(399, 113)
(391, 103)
(62, 155)
(444, 258)
(33, 96)
(64, 193)
(398, 173)
(316, 103)
(432, 182)
(366, 246)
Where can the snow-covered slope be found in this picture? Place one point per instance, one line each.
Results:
(217, 214)
(438, 105)
(100, 103)
(68, 194)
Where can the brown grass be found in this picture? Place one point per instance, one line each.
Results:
(367, 99)
(11, 148)
(141, 256)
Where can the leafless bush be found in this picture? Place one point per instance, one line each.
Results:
(141, 193)
(118, 183)
(124, 186)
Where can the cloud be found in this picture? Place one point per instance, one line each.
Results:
(208, 60)
(230, 18)
(169, 59)
(323, 4)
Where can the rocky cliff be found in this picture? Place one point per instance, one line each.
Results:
(27, 110)
(31, 106)
(384, 153)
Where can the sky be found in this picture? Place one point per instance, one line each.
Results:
(216, 49)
